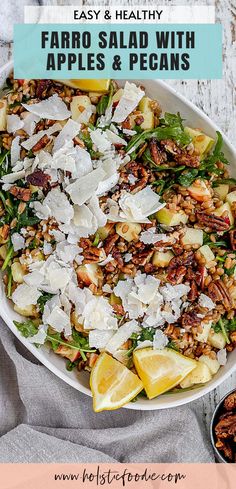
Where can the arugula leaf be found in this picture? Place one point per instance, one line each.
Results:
(79, 342)
(102, 104)
(209, 163)
(9, 256)
(211, 244)
(161, 132)
(223, 180)
(163, 184)
(27, 328)
(46, 296)
(187, 177)
(143, 335)
(172, 345)
(225, 326)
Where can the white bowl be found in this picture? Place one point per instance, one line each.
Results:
(170, 102)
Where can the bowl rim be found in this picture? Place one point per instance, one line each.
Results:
(212, 424)
(196, 393)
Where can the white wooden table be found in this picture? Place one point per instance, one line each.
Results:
(217, 98)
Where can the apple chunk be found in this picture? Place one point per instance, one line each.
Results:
(207, 253)
(226, 210)
(201, 142)
(3, 115)
(193, 236)
(170, 217)
(162, 258)
(90, 273)
(199, 191)
(78, 105)
(222, 190)
(67, 352)
(128, 230)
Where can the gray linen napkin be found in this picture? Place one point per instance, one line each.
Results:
(42, 419)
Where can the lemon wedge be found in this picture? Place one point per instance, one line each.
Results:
(112, 384)
(161, 370)
(101, 86)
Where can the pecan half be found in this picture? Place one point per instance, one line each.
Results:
(4, 231)
(190, 319)
(178, 267)
(230, 402)
(212, 222)
(142, 258)
(110, 242)
(226, 424)
(21, 193)
(139, 172)
(232, 237)
(218, 292)
(118, 258)
(38, 178)
(176, 275)
(193, 293)
(181, 156)
(157, 155)
(41, 144)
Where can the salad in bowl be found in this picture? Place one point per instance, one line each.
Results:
(117, 237)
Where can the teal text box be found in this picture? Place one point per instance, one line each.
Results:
(205, 59)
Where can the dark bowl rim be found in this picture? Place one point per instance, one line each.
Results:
(217, 408)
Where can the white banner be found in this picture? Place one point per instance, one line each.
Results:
(164, 15)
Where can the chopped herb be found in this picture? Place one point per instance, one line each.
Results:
(225, 326)
(144, 335)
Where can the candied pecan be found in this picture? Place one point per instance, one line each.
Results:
(230, 402)
(21, 193)
(187, 159)
(176, 275)
(41, 144)
(157, 155)
(213, 222)
(118, 258)
(143, 257)
(149, 268)
(232, 236)
(126, 124)
(226, 448)
(38, 178)
(225, 424)
(4, 231)
(110, 242)
(186, 259)
(218, 292)
(139, 172)
(190, 319)
(193, 293)
(139, 120)
(42, 87)
(92, 254)
(170, 146)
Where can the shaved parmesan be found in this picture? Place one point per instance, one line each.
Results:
(82, 189)
(15, 150)
(59, 321)
(18, 241)
(59, 205)
(150, 236)
(40, 337)
(128, 102)
(52, 108)
(68, 132)
(222, 356)
(160, 340)
(99, 339)
(100, 140)
(135, 207)
(25, 295)
(115, 139)
(13, 177)
(14, 123)
(205, 301)
(122, 335)
(98, 313)
(30, 142)
(29, 122)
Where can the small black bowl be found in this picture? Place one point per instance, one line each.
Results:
(215, 418)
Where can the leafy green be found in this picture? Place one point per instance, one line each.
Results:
(96, 240)
(172, 345)
(187, 177)
(4, 163)
(164, 184)
(175, 121)
(9, 282)
(211, 244)
(223, 180)
(79, 342)
(143, 335)
(208, 165)
(27, 328)
(160, 133)
(102, 104)
(46, 296)
(225, 326)
(9, 256)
